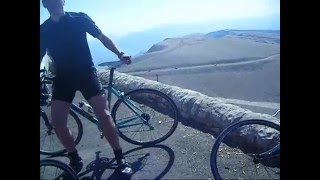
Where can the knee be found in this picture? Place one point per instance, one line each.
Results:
(104, 115)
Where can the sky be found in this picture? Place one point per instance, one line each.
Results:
(122, 19)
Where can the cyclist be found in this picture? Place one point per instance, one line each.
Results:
(63, 38)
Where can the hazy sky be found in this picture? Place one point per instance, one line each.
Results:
(135, 25)
(121, 17)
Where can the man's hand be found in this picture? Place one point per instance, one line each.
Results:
(125, 58)
(110, 45)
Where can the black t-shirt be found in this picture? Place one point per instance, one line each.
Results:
(66, 42)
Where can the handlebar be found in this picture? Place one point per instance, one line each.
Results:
(112, 64)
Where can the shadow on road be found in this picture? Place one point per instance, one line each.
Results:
(151, 162)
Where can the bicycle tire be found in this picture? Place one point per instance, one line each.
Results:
(169, 109)
(215, 149)
(61, 150)
(66, 171)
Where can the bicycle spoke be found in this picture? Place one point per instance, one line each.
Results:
(159, 132)
(43, 140)
(125, 120)
(51, 171)
(43, 171)
(50, 145)
(57, 173)
(137, 131)
(121, 122)
(49, 142)
(245, 166)
(152, 134)
(151, 129)
(242, 171)
(130, 125)
(256, 167)
(271, 175)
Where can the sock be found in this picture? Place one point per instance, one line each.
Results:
(118, 155)
(74, 156)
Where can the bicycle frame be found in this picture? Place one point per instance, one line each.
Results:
(120, 95)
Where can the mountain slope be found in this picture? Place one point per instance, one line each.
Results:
(212, 48)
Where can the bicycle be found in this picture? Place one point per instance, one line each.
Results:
(54, 169)
(148, 113)
(234, 151)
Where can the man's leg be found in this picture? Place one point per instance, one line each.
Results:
(93, 92)
(59, 117)
(99, 105)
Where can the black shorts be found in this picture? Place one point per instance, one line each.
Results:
(65, 85)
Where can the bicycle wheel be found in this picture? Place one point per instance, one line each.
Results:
(158, 120)
(49, 142)
(53, 169)
(237, 150)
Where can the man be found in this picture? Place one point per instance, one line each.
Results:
(63, 36)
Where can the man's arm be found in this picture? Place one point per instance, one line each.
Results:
(107, 42)
(93, 30)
